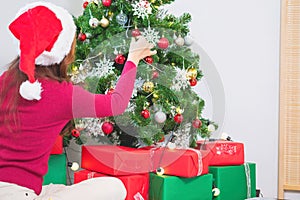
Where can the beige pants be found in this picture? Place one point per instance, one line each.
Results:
(102, 188)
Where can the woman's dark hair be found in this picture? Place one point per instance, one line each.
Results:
(13, 78)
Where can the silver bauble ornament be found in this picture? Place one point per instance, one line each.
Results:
(93, 22)
(179, 41)
(121, 18)
(174, 36)
(88, 35)
(188, 40)
(211, 128)
(160, 117)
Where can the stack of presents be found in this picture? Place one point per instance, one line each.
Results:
(214, 170)
(57, 164)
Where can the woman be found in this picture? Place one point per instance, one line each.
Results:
(37, 101)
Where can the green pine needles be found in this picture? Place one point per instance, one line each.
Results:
(164, 102)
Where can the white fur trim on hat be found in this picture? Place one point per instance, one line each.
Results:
(31, 91)
(63, 44)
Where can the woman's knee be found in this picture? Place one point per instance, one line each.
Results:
(109, 187)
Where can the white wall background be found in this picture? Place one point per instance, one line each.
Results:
(242, 39)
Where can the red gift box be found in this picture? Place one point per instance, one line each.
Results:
(58, 146)
(115, 160)
(137, 185)
(119, 160)
(221, 153)
(179, 162)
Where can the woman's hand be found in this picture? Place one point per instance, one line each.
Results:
(139, 49)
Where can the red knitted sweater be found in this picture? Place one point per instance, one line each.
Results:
(24, 155)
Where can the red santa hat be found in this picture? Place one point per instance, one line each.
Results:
(46, 33)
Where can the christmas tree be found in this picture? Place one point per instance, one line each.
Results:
(164, 108)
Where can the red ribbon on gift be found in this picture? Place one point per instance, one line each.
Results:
(178, 162)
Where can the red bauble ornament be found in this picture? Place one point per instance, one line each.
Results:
(149, 60)
(197, 123)
(110, 91)
(163, 43)
(75, 133)
(155, 74)
(106, 3)
(82, 37)
(193, 82)
(178, 118)
(120, 59)
(85, 4)
(145, 113)
(107, 128)
(135, 32)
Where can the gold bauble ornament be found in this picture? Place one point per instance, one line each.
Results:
(148, 86)
(155, 96)
(179, 110)
(104, 22)
(173, 64)
(110, 13)
(74, 68)
(192, 73)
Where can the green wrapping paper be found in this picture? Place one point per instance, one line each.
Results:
(57, 170)
(173, 187)
(233, 182)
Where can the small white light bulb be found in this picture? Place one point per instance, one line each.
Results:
(73, 165)
(171, 145)
(160, 171)
(216, 192)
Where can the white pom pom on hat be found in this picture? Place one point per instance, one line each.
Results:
(31, 91)
(45, 33)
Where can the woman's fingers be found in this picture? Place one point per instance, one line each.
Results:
(140, 48)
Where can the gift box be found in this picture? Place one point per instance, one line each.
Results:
(115, 160)
(235, 182)
(222, 153)
(137, 185)
(58, 146)
(172, 187)
(57, 170)
(119, 160)
(179, 162)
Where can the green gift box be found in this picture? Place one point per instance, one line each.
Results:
(234, 182)
(57, 170)
(173, 187)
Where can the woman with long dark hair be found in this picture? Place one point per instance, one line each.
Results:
(37, 101)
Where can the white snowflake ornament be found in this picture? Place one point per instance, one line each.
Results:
(151, 35)
(141, 9)
(81, 74)
(103, 67)
(180, 81)
(137, 86)
(131, 107)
